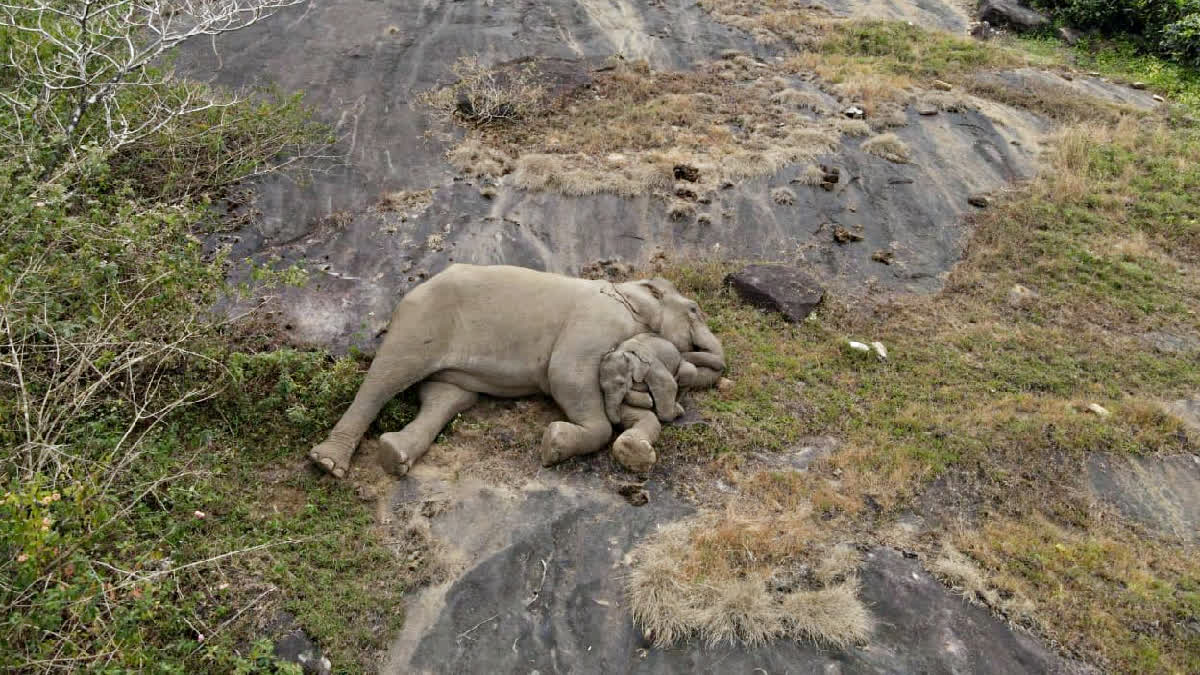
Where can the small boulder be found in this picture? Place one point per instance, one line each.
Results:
(942, 85)
(801, 456)
(780, 288)
(1021, 296)
(982, 30)
(295, 647)
(1159, 99)
(1012, 14)
(686, 172)
(1138, 85)
(884, 256)
(854, 112)
(979, 201)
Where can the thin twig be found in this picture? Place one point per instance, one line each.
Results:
(467, 632)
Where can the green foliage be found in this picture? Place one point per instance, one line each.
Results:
(1170, 28)
(126, 427)
(1181, 40)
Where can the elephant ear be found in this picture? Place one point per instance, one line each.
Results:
(639, 363)
(616, 379)
(654, 289)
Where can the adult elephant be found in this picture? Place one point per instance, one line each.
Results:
(510, 331)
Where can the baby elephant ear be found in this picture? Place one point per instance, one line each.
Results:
(654, 288)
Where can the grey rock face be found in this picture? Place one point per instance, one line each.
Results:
(1162, 493)
(1172, 343)
(360, 262)
(543, 590)
(779, 288)
(1012, 14)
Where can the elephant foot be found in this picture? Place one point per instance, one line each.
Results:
(331, 459)
(551, 455)
(397, 456)
(634, 452)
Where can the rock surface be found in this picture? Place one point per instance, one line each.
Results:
(800, 455)
(778, 288)
(296, 647)
(541, 590)
(362, 63)
(1162, 493)
(1012, 14)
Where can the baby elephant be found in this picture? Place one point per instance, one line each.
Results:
(645, 361)
(648, 359)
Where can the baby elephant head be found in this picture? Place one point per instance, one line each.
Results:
(618, 371)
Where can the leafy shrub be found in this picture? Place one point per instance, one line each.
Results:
(1168, 27)
(1181, 40)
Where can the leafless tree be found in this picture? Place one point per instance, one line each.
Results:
(80, 76)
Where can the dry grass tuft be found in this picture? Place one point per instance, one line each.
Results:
(888, 146)
(851, 127)
(833, 615)
(783, 195)
(803, 99)
(475, 159)
(717, 579)
(406, 202)
(812, 175)
(962, 574)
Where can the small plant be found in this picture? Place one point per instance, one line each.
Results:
(888, 146)
(484, 96)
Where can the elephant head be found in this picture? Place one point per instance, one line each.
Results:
(672, 315)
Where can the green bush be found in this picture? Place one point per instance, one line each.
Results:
(1167, 27)
(1181, 40)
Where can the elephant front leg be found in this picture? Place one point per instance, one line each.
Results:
(634, 448)
(440, 402)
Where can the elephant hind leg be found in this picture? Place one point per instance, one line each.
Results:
(440, 402)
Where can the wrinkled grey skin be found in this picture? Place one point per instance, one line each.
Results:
(509, 331)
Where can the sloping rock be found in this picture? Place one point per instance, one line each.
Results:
(1012, 14)
(1188, 411)
(779, 288)
(1162, 493)
(361, 261)
(542, 590)
(1172, 343)
(1082, 86)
